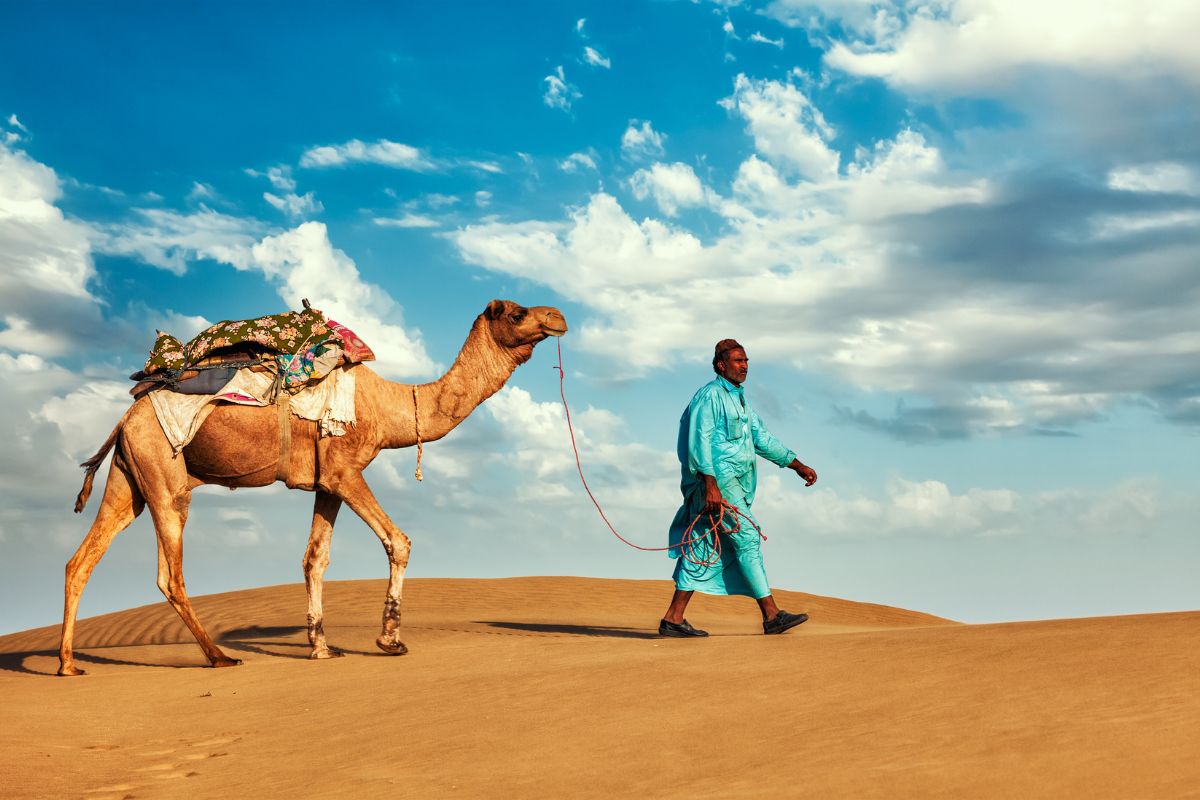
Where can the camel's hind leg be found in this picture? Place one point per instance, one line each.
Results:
(120, 505)
(168, 525)
(358, 496)
(163, 480)
(316, 559)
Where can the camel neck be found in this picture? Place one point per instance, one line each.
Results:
(480, 370)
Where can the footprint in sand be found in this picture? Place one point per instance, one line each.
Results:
(181, 766)
(120, 787)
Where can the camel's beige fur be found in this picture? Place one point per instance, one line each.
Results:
(239, 446)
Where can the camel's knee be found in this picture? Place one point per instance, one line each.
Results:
(316, 560)
(172, 589)
(398, 548)
(180, 503)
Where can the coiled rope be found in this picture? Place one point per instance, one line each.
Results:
(691, 541)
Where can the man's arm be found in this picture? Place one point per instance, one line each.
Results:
(770, 448)
(703, 429)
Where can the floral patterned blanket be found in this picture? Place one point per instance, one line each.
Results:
(301, 346)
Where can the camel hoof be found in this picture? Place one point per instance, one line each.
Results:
(70, 671)
(227, 662)
(390, 646)
(318, 655)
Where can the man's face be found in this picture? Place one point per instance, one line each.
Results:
(734, 366)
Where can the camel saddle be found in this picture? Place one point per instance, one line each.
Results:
(298, 347)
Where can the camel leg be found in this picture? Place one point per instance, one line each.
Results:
(164, 483)
(397, 546)
(120, 506)
(168, 524)
(316, 559)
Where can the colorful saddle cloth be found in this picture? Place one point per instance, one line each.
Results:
(300, 346)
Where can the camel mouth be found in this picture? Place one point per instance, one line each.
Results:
(553, 331)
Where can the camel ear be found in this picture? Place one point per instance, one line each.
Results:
(494, 309)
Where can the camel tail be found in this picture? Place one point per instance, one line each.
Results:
(92, 464)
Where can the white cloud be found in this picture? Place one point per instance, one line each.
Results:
(437, 200)
(21, 334)
(559, 94)
(600, 250)
(45, 263)
(201, 191)
(86, 415)
(241, 527)
(306, 265)
(758, 37)
(787, 128)
(827, 245)
(355, 151)
(17, 134)
(642, 141)
(490, 167)
(295, 205)
(930, 508)
(1119, 226)
(579, 23)
(407, 221)
(577, 161)
(1161, 177)
(168, 239)
(182, 326)
(483, 198)
(641, 476)
(965, 44)
(39, 247)
(594, 58)
(673, 186)
(301, 263)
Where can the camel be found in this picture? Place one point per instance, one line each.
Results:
(244, 446)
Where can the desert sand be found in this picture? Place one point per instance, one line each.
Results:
(560, 687)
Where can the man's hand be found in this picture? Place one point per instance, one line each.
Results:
(712, 496)
(808, 474)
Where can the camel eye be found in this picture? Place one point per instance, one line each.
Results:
(517, 316)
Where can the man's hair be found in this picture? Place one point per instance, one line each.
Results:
(723, 347)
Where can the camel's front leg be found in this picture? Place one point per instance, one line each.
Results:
(358, 495)
(316, 559)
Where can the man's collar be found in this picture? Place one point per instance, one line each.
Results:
(729, 386)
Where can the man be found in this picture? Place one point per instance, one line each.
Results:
(719, 437)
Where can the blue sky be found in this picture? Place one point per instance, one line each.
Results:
(959, 240)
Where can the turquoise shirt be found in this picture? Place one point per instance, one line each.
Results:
(721, 435)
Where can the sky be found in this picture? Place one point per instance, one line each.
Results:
(960, 240)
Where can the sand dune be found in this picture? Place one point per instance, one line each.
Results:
(558, 687)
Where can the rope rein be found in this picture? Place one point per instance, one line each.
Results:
(417, 422)
(691, 540)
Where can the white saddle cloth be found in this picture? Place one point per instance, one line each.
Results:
(329, 403)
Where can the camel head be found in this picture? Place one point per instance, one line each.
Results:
(518, 329)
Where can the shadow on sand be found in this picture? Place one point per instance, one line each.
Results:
(15, 662)
(261, 640)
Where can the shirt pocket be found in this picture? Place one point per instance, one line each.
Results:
(735, 427)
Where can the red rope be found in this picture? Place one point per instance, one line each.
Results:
(688, 543)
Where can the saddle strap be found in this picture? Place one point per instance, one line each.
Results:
(283, 400)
